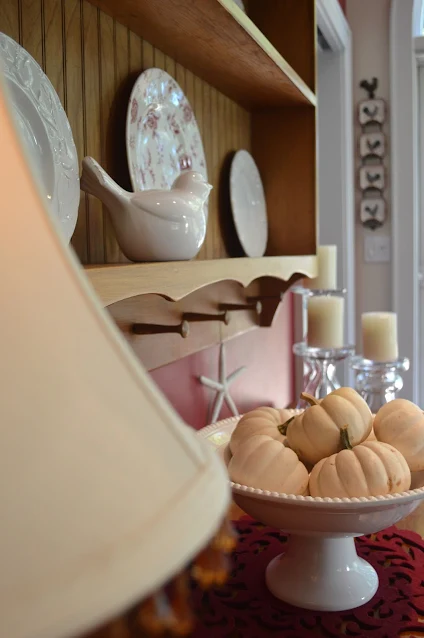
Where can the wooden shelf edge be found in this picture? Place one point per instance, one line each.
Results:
(256, 34)
(175, 280)
(219, 43)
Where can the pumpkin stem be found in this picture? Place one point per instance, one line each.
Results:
(344, 437)
(282, 428)
(309, 399)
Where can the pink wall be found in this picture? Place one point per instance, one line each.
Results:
(267, 381)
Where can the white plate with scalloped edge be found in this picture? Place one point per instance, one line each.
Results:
(45, 132)
(248, 204)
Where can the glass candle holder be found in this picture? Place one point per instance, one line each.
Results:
(308, 365)
(378, 382)
(310, 373)
(323, 379)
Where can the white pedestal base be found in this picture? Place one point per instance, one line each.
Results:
(321, 573)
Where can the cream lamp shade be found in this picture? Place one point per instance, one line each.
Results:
(105, 493)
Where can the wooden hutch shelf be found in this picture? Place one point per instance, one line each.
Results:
(218, 42)
(175, 280)
(250, 78)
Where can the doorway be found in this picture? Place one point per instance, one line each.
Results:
(335, 159)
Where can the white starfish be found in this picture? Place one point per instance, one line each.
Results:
(222, 386)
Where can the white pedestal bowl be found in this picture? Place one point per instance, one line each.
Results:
(320, 569)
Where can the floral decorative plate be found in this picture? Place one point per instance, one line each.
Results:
(45, 132)
(162, 135)
(248, 204)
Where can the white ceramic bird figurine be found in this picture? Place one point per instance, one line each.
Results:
(153, 225)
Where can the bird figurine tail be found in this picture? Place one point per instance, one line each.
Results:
(95, 181)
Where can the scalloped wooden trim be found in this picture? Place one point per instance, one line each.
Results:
(176, 279)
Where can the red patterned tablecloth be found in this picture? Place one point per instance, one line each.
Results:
(245, 609)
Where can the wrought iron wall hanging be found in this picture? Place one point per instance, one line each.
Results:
(372, 148)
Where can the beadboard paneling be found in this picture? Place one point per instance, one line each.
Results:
(92, 62)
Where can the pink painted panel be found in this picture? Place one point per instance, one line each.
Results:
(268, 379)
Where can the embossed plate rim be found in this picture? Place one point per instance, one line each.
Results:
(66, 192)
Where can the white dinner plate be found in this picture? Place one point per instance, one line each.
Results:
(45, 131)
(248, 204)
(162, 135)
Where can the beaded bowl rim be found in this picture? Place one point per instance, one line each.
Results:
(362, 502)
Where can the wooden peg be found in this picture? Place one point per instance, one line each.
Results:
(200, 316)
(182, 329)
(265, 298)
(252, 305)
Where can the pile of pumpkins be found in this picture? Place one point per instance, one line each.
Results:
(335, 448)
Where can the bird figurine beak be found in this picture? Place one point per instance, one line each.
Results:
(206, 190)
(194, 183)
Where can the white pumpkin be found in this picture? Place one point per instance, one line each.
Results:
(266, 420)
(371, 436)
(266, 464)
(369, 469)
(401, 423)
(315, 433)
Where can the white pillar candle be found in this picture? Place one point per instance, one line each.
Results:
(325, 321)
(327, 270)
(379, 336)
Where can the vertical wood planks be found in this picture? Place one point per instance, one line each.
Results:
(197, 105)
(148, 55)
(214, 168)
(170, 66)
(180, 75)
(92, 143)
(135, 55)
(119, 112)
(240, 129)
(53, 45)
(234, 127)
(31, 15)
(159, 59)
(244, 120)
(207, 145)
(236, 145)
(74, 87)
(189, 86)
(107, 94)
(10, 19)
(222, 153)
(121, 54)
